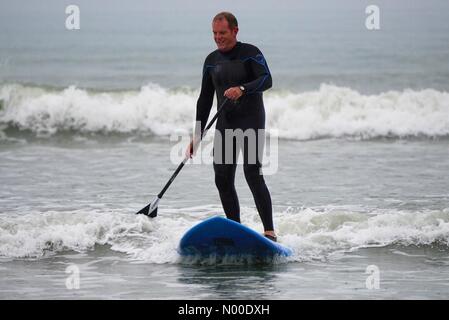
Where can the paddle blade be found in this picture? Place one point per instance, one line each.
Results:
(151, 209)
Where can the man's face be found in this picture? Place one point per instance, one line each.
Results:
(224, 37)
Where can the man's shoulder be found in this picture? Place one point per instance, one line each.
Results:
(249, 48)
(211, 56)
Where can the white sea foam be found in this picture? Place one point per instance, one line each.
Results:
(152, 110)
(337, 112)
(312, 234)
(329, 111)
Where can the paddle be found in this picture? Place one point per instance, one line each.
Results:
(151, 209)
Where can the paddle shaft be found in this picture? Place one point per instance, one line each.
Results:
(181, 165)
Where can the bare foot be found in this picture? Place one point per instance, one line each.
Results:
(270, 235)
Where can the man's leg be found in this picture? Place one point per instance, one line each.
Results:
(225, 165)
(261, 195)
(224, 180)
(253, 174)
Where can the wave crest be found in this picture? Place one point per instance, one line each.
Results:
(330, 112)
(313, 234)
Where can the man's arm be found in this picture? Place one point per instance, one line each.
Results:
(205, 100)
(262, 76)
(203, 106)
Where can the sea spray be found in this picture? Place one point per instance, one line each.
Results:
(312, 233)
(328, 112)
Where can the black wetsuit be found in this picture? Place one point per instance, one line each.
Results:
(244, 65)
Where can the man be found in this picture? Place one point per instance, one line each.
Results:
(238, 72)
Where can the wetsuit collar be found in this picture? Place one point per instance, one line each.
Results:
(234, 48)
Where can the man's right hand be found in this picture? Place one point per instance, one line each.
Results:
(191, 150)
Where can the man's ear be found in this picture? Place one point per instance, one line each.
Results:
(235, 31)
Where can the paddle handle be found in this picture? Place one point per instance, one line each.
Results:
(181, 165)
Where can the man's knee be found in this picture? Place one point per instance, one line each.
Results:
(253, 173)
(223, 177)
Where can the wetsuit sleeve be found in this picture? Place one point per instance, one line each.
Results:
(259, 69)
(205, 100)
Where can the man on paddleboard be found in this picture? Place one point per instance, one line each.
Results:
(238, 72)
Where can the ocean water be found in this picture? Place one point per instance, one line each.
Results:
(91, 122)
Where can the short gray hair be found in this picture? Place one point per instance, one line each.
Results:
(229, 17)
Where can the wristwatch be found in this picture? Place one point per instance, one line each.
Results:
(242, 88)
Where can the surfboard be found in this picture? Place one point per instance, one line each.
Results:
(218, 236)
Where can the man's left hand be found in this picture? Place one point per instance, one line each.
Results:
(233, 93)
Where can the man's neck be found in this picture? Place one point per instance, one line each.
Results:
(233, 46)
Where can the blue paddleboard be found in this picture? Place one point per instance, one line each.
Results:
(219, 236)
